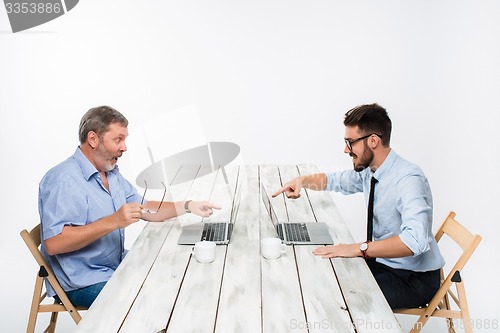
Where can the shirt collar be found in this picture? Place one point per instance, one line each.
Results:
(88, 169)
(386, 165)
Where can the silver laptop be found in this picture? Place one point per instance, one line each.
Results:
(217, 232)
(297, 232)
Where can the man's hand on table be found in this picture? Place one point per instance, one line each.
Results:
(340, 250)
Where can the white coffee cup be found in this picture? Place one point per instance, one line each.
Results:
(204, 251)
(272, 248)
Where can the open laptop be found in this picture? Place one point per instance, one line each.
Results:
(217, 232)
(297, 233)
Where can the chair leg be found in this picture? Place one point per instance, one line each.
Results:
(31, 323)
(53, 322)
(431, 307)
(449, 321)
(37, 294)
(446, 304)
(420, 323)
(417, 327)
(464, 307)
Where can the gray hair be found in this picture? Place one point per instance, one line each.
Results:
(98, 119)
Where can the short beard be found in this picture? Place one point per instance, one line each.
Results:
(106, 157)
(365, 160)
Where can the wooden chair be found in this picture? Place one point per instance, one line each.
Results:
(33, 241)
(440, 305)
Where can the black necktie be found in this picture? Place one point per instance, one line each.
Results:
(369, 227)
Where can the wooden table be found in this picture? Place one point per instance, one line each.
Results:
(160, 287)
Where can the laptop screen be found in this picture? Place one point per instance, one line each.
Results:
(236, 203)
(269, 207)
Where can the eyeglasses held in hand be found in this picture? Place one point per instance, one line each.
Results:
(147, 210)
(349, 143)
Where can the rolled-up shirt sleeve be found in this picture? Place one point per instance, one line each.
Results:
(415, 206)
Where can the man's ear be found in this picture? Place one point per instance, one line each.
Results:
(92, 139)
(374, 141)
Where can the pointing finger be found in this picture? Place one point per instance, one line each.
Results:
(278, 192)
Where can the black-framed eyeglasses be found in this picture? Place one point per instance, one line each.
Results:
(349, 143)
(147, 210)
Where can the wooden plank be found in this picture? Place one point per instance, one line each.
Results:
(199, 293)
(282, 308)
(196, 306)
(155, 301)
(366, 303)
(150, 313)
(113, 303)
(324, 305)
(240, 297)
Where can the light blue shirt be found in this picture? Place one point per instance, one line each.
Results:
(402, 207)
(72, 194)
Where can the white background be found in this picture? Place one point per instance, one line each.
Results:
(274, 77)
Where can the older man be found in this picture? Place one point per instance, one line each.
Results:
(85, 204)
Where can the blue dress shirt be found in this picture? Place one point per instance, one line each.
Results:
(72, 194)
(402, 207)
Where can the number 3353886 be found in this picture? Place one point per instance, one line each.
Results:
(33, 8)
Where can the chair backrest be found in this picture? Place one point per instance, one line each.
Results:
(33, 241)
(440, 305)
(463, 237)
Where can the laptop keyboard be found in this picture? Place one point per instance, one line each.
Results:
(215, 232)
(296, 232)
